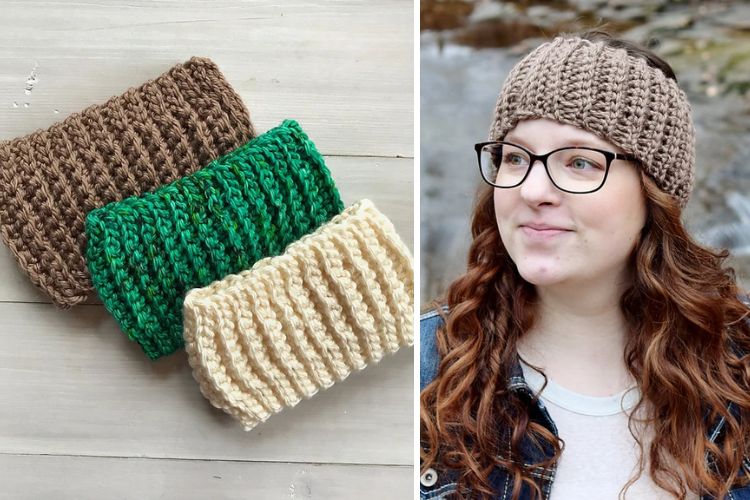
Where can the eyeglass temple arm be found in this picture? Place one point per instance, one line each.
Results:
(619, 156)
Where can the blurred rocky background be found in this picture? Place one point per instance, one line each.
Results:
(467, 49)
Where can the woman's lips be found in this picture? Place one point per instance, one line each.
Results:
(542, 234)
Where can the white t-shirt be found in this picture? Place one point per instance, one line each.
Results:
(600, 454)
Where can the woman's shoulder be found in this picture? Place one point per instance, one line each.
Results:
(429, 359)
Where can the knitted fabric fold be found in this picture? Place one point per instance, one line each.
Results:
(148, 136)
(335, 301)
(146, 252)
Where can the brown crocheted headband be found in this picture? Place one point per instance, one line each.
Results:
(618, 97)
(149, 136)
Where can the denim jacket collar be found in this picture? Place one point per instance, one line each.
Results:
(517, 383)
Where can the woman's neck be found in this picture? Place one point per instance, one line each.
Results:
(579, 339)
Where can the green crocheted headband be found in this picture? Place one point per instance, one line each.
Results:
(144, 253)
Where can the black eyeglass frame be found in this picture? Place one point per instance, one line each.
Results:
(609, 155)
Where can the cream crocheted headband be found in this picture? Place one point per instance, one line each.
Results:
(335, 301)
(618, 97)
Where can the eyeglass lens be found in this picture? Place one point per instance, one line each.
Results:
(571, 169)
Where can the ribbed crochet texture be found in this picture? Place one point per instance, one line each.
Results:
(146, 252)
(334, 302)
(150, 135)
(618, 97)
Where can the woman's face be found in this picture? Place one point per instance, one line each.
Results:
(598, 230)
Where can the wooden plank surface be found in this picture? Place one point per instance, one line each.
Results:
(83, 413)
(73, 384)
(85, 478)
(343, 68)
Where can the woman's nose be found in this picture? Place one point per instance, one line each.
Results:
(538, 187)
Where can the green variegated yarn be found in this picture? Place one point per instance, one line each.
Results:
(146, 252)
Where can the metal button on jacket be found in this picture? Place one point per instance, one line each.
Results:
(429, 478)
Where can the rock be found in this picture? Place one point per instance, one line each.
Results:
(443, 14)
(492, 11)
(736, 16)
(547, 17)
(634, 13)
(587, 5)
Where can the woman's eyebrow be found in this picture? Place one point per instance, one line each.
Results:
(567, 143)
(519, 141)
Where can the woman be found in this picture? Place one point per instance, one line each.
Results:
(592, 349)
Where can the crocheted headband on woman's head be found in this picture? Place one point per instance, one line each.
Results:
(146, 252)
(148, 136)
(335, 301)
(616, 96)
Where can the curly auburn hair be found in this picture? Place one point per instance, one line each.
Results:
(688, 332)
(687, 329)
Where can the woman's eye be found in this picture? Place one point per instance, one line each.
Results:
(583, 164)
(514, 159)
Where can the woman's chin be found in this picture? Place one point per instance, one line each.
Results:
(541, 275)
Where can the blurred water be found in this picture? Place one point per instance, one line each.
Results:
(733, 234)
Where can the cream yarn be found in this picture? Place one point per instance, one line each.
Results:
(612, 94)
(335, 301)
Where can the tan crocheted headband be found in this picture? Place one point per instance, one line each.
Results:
(148, 136)
(336, 300)
(618, 97)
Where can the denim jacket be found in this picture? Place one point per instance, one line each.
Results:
(436, 484)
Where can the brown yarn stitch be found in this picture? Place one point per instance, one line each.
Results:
(150, 135)
(611, 94)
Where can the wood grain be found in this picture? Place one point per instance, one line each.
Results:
(344, 70)
(74, 384)
(86, 478)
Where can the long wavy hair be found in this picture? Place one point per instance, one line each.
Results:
(688, 332)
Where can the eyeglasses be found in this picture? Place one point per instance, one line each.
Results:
(577, 169)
